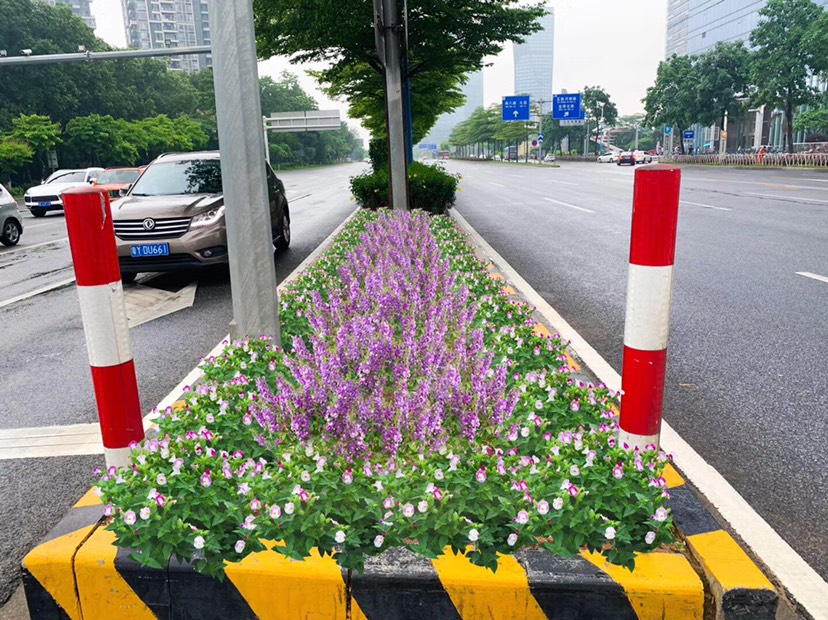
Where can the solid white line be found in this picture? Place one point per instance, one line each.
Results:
(566, 204)
(698, 204)
(39, 225)
(498, 184)
(801, 581)
(561, 182)
(808, 274)
(20, 248)
(35, 292)
(791, 198)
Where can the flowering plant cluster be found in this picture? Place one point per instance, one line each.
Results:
(417, 407)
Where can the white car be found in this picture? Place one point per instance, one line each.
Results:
(608, 158)
(11, 224)
(642, 157)
(47, 197)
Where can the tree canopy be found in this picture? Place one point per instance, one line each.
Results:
(447, 40)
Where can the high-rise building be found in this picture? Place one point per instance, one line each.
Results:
(473, 91)
(81, 8)
(533, 61)
(154, 24)
(677, 13)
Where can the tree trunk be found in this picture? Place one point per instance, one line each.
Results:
(789, 125)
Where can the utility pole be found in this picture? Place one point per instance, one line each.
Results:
(387, 36)
(241, 140)
(540, 125)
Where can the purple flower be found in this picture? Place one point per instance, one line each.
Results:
(160, 500)
(347, 477)
(574, 471)
(255, 505)
(388, 504)
(522, 517)
(660, 515)
(573, 491)
(438, 495)
(481, 475)
(618, 471)
(206, 480)
(543, 507)
(275, 512)
(129, 517)
(408, 510)
(303, 496)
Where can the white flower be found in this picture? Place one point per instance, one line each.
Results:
(474, 535)
(524, 432)
(439, 475)
(574, 471)
(557, 503)
(275, 512)
(379, 540)
(161, 480)
(609, 533)
(422, 506)
(339, 537)
(538, 404)
(408, 510)
(145, 513)
(511, 540)
(198, 542)
(660, 515)
(240, 545)
(649, 538)
(305, 476)
(522, 517)
(543, 507)
(289, 508)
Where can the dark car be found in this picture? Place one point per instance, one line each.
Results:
(626, 157)
(173, 216)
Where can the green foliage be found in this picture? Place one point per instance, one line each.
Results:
(430, 188)
(13, 154)
(592, 98)
(448, 39)
(813, 120)
(39, 132)
(723, 74)
(782, 60)
(672, 99)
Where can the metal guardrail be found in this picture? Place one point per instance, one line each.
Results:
(819, 159)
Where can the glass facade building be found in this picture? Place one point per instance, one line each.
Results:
(533, 61)
(154, 24)
(81, 8)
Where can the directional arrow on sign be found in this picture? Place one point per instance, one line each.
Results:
(516, 113)
(566, 114)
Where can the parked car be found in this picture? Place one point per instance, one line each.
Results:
(11, 223)
(47, 197)
(173, 216)
(642, 158)
(116, 180)
(608, 158)
(626, 157)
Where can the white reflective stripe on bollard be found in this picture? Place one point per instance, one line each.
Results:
(105, 324)
(631, 439)
(119, 457)
(649, 297)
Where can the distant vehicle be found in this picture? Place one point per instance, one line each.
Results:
(549, 158)
(642, 158)
(608, 158)
(173, 216)
(114, 180)
(11, 223)
(47, 197)
(626, 157)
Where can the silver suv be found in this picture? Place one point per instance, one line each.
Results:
(173, 216)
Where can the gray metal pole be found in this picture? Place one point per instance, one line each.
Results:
(266, 144)
(394, 106)
(44, 59)
(239, 114)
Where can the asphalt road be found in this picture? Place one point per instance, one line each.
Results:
(746, 380)
(44, 369)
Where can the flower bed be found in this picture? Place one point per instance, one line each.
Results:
(416, 407)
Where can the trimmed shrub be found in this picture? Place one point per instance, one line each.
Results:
(430, 188)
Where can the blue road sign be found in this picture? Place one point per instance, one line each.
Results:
(516, 108)
(427, 147)
(689, 134)
(540, 138)
(668, 130)
(567, 107)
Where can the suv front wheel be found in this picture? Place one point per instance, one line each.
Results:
(282, 241)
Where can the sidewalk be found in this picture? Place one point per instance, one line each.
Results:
(77, 572)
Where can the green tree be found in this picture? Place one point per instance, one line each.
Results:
(783, 60)
(817, 42)
(724, 75)
(13, 154)
(673, 99)
(40, 133)
(448, 39)
(816, 120)
(98, 140)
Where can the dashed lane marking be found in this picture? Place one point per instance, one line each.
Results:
(21, 248)
(698, 204)
(39, 291)
(813, 276)
(566, 204)
(789, 198)
(498, 184)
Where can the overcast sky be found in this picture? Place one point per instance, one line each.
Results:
(615, 44)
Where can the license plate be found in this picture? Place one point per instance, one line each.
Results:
(44, 204)
(150, 249)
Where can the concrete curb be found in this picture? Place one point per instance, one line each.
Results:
(78, 573)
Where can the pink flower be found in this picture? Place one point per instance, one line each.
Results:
(649, 538)
(618, 471)
(408, 510)
(422, 506)
(511, 540)
(255, 505)
(660, 515)
(206, 480)
(438, 495)
(240, 545)
(543, 507)
(481, 475)
(198, 542)
(388, 504)
(130, 517)
(573, 491)
(303, 495)
(275, 512)
(109, 510)
(522, 517)
(160, 500)
(379, 540)
(347, 477)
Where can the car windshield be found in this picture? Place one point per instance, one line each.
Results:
(115, 177)
(67, 176)
(170, 178)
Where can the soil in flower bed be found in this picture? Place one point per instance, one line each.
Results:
(414, 405)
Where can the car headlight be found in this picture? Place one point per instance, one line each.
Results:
(27, 198)
(208, 218)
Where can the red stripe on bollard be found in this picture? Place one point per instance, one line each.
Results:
(655, 215)
(119, 407)
(643, 386)
(91, 233)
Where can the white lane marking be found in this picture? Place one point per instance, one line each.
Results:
(561, 182)
(791, 198)
(498, 184)
(566, 204)
(39, 225)
(31, 247)
(817, 180)
(796, 575)
(298, 198)
(698, 204)
(772, 184)
(36, 292)
(814, 276)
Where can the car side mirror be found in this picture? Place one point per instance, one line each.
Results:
(125, 190)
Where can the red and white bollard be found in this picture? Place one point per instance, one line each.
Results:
(649, 293)
(101, 294)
